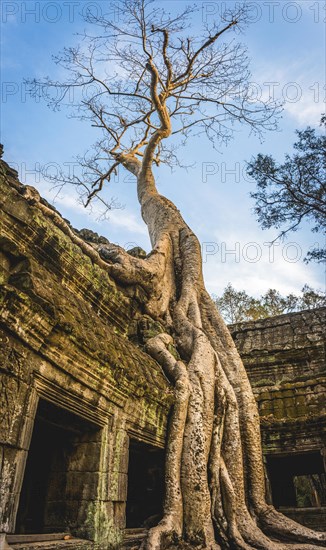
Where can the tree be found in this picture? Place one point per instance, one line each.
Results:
(289, 193)
(153, 82)
(311, 298)
(237, 306)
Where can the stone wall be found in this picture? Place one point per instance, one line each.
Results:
(78, 390)
(64, 342)
(285, 360)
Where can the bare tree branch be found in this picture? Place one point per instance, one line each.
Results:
(143, 79)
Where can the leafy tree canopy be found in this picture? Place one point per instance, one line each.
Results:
(236, 305)
(289, 193)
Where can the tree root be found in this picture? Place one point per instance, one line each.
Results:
(282, 527)
(214, 480)
(234, 526)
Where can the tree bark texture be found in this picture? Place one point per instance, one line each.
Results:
(215, 485)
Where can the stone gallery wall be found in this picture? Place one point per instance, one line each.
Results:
(82, 405)
(285, 360)
(69, 370)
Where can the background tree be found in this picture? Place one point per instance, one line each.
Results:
(289, 193)
(236, 305)
(153, 82)
(311, 298)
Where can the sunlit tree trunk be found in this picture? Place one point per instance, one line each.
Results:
(215, 485)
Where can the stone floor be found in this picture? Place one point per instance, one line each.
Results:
(132, 541)
(12, 542)
(74, 544)
(133, 538)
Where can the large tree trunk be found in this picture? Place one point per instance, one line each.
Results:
(215, 486)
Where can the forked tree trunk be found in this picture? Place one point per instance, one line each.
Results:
(215, 487)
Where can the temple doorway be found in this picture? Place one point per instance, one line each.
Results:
(145, 485)
(61, 472)
(297, 480)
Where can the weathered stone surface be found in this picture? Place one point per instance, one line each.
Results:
(64, 341)
(285, 360)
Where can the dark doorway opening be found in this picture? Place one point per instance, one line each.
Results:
(297, 480)
(60, 474)
(145, 485)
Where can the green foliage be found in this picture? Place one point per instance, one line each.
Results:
(288, 194)
(236, 305)
(310, 490)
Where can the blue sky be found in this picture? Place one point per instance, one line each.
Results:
(286, 43)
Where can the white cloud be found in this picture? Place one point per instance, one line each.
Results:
(257, 277)
(120, 219)
(298, 84)
(127, 220)
(247, 261)
(305, 112)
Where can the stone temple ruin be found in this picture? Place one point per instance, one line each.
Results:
(84, 409)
